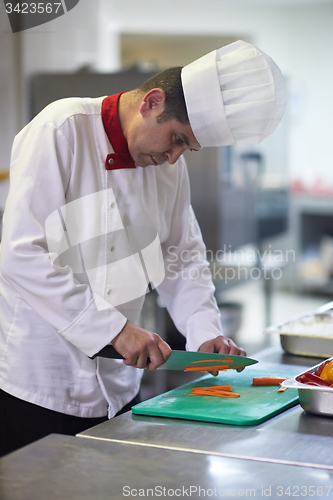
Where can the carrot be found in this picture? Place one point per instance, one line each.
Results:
(223, 391)
(226, 387)
(268, 380)
(213, 361)
(206, 368)
(214, 390)
(213, 393)
(223, 394)
(230, 395)
(204, 393)
(208, 389)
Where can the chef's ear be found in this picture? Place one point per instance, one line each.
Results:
(153, 100)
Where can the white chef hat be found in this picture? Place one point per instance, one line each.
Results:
(234, 95)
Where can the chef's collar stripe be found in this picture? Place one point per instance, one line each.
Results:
(121, 156)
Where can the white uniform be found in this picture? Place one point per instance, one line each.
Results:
(54, 315)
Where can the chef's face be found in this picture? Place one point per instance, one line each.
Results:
(153, 143)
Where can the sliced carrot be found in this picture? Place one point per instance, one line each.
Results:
(199, 389)
(213, 389)
(226, 387)
(230, 394)
(205, 393)
(210, 392)
(213, 361)
(206, 368)
(268, 380)
(222, 391)
(223, 394)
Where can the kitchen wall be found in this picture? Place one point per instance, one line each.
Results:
(298, 35)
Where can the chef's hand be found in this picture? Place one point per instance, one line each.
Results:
(141, 348)
(222, 345)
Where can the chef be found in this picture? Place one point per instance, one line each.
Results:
(99, 195)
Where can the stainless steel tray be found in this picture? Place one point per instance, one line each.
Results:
(309, 334)
(318, 400)
(305, 345)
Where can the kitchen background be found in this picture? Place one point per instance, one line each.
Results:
(269, 207)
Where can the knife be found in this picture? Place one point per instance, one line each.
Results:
(179, 360)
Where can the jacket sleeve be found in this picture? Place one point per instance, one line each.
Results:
(188, 289)
(40, 173)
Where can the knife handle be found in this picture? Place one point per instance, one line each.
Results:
(108, 352)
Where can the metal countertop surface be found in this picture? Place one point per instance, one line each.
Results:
(292, 437)
(64, 467)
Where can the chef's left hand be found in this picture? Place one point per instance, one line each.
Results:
(222, 345)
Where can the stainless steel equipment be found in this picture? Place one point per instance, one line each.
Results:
(309, 334)
(317, 400)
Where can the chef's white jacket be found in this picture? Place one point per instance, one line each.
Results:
(67, 268)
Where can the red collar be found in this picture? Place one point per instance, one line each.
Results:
(121, 157)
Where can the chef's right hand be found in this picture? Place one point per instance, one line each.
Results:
(141, 348)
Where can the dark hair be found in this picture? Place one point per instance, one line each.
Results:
(169, 80)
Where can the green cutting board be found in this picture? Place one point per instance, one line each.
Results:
(255, 404)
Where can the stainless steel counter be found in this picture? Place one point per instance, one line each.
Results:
(63, 467)
(293, 437)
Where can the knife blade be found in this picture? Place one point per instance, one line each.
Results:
(179, 360)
